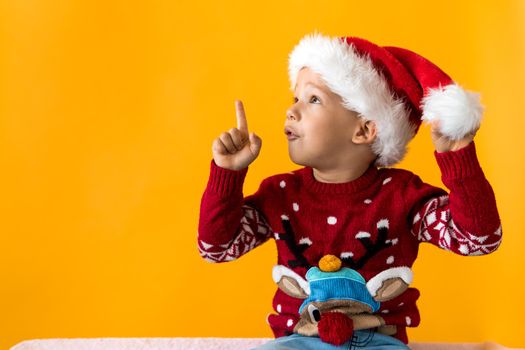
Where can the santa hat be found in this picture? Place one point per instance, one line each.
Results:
(394, 87)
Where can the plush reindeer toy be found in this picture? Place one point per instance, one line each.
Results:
(338, 300)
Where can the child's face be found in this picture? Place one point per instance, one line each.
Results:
(324, 127)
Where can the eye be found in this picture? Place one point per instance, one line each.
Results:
(314, 98)
(314, 313)
(295, 100)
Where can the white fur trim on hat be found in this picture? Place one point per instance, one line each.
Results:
(362, 88)
(458, 111)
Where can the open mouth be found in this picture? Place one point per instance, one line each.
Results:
(290, 135)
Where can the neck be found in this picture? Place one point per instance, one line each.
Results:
(340, 175)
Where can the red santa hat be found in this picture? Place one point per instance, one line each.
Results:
(394, 87)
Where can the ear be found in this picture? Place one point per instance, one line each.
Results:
(291, 287)
(390, 283)
(365, 132)
(290, 282)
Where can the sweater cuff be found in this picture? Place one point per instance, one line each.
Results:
(459, 164)
(225, 181)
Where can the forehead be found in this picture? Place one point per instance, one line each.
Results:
(307, 77)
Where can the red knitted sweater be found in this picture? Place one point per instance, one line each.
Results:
(330, 218)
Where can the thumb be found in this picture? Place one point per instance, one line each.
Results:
(255, 143)
(435, 124)
(435, 127)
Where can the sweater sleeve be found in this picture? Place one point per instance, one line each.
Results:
(230, 225)
(464, 221)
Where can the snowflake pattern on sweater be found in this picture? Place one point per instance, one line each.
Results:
(308, 219)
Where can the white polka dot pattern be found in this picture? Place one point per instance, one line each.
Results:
(332, 220)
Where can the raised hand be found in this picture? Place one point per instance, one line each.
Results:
(236, 148)
(443, 143)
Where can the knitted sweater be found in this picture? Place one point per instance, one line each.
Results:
(343, 219)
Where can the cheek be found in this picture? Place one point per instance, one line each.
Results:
(320, 127)
(327, 133)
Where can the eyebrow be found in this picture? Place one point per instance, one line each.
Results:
(313, 85)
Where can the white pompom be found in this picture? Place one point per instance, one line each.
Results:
(459, 111)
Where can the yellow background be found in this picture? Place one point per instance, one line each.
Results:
(108, 111)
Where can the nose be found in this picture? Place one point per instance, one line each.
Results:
(292, 114)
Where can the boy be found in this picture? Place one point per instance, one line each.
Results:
(356, 107)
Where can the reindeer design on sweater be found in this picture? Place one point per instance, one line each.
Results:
(338, 300)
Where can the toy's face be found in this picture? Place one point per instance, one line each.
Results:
(323, 126)
(348, 307)
(315, 311)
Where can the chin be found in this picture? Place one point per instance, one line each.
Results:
(294, 158)
(298, 160)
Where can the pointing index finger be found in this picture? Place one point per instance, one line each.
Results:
(242, 123)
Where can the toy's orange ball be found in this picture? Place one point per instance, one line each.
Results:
(329, 263)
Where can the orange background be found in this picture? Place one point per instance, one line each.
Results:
(108, 111)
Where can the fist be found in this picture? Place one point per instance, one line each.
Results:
(444, 144)
(237, 148)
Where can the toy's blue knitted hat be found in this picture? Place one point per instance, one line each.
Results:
(337, 284)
